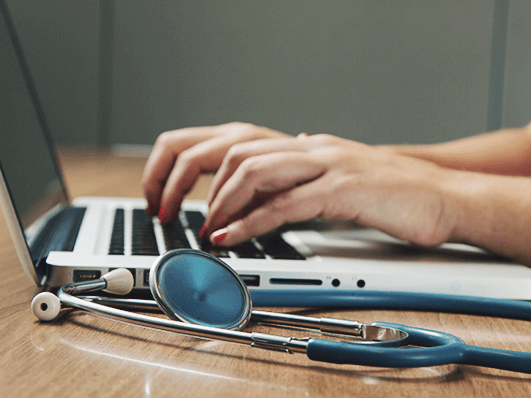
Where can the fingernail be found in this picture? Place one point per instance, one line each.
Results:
(162, 213)
(219, 236)
(202, 232)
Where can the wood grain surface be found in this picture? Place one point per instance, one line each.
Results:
(82, 355)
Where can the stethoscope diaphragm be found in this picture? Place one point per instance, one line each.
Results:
(196, 287)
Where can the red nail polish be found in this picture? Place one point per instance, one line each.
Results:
(162, 213)
(217, 239)
(202, 232)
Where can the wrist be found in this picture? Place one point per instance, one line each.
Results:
(492, 212)
(407, 150)
(472, 210)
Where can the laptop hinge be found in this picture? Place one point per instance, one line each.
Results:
(59, 234)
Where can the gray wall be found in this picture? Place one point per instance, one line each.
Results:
(384, 71)
(517, 87)
(60, 41)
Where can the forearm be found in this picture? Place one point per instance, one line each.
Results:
(506, 152)
(493, 212)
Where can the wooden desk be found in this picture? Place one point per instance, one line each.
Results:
(85, 356)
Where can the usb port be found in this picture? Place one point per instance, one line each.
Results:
(251, 280)
(81, 275)
(146, 277)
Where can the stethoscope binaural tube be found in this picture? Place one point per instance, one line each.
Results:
(393, 300)
(438, 348)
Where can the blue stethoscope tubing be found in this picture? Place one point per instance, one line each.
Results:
(391, 300)
(438, 349)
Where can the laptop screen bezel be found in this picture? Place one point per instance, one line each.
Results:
(11, 214)
(14, 225)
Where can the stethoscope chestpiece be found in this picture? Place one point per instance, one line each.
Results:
(196, 287)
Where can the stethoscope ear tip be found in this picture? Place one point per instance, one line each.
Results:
(46, 306)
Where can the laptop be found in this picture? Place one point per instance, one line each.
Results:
(59, 241)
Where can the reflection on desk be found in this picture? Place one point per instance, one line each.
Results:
(91, 356)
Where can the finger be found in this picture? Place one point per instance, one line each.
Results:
(238, 153)
(297, 204)
(268, 173)
(169, 148)
(163, 157)
(201, 158)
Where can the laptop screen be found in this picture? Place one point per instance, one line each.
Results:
(26, 151)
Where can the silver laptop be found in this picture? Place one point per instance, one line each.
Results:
(59, 241)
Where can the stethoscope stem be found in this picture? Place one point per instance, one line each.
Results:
(257, 340)
(335, 326)
(325, 325)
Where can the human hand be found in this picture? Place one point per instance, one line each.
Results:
(180, 156)
(263, 184)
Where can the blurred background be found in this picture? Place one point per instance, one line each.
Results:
(120, 72)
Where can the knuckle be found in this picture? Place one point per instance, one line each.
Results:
(164, 138)
(236, 154)
(246, 131)
(282, 202)
(235, 127)
(243, 131)
(324, 139)
(187, 159)
(250, 168)
(281, 207)
(169, 138)
(247, 225)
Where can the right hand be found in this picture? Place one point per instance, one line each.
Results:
(262, 185)
(180, 156)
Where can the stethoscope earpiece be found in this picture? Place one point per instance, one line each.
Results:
(46, 306)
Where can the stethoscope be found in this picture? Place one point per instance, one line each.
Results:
(205, 298)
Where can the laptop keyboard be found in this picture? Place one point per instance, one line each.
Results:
(175, 235)
(117, 244)
(144, 241)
